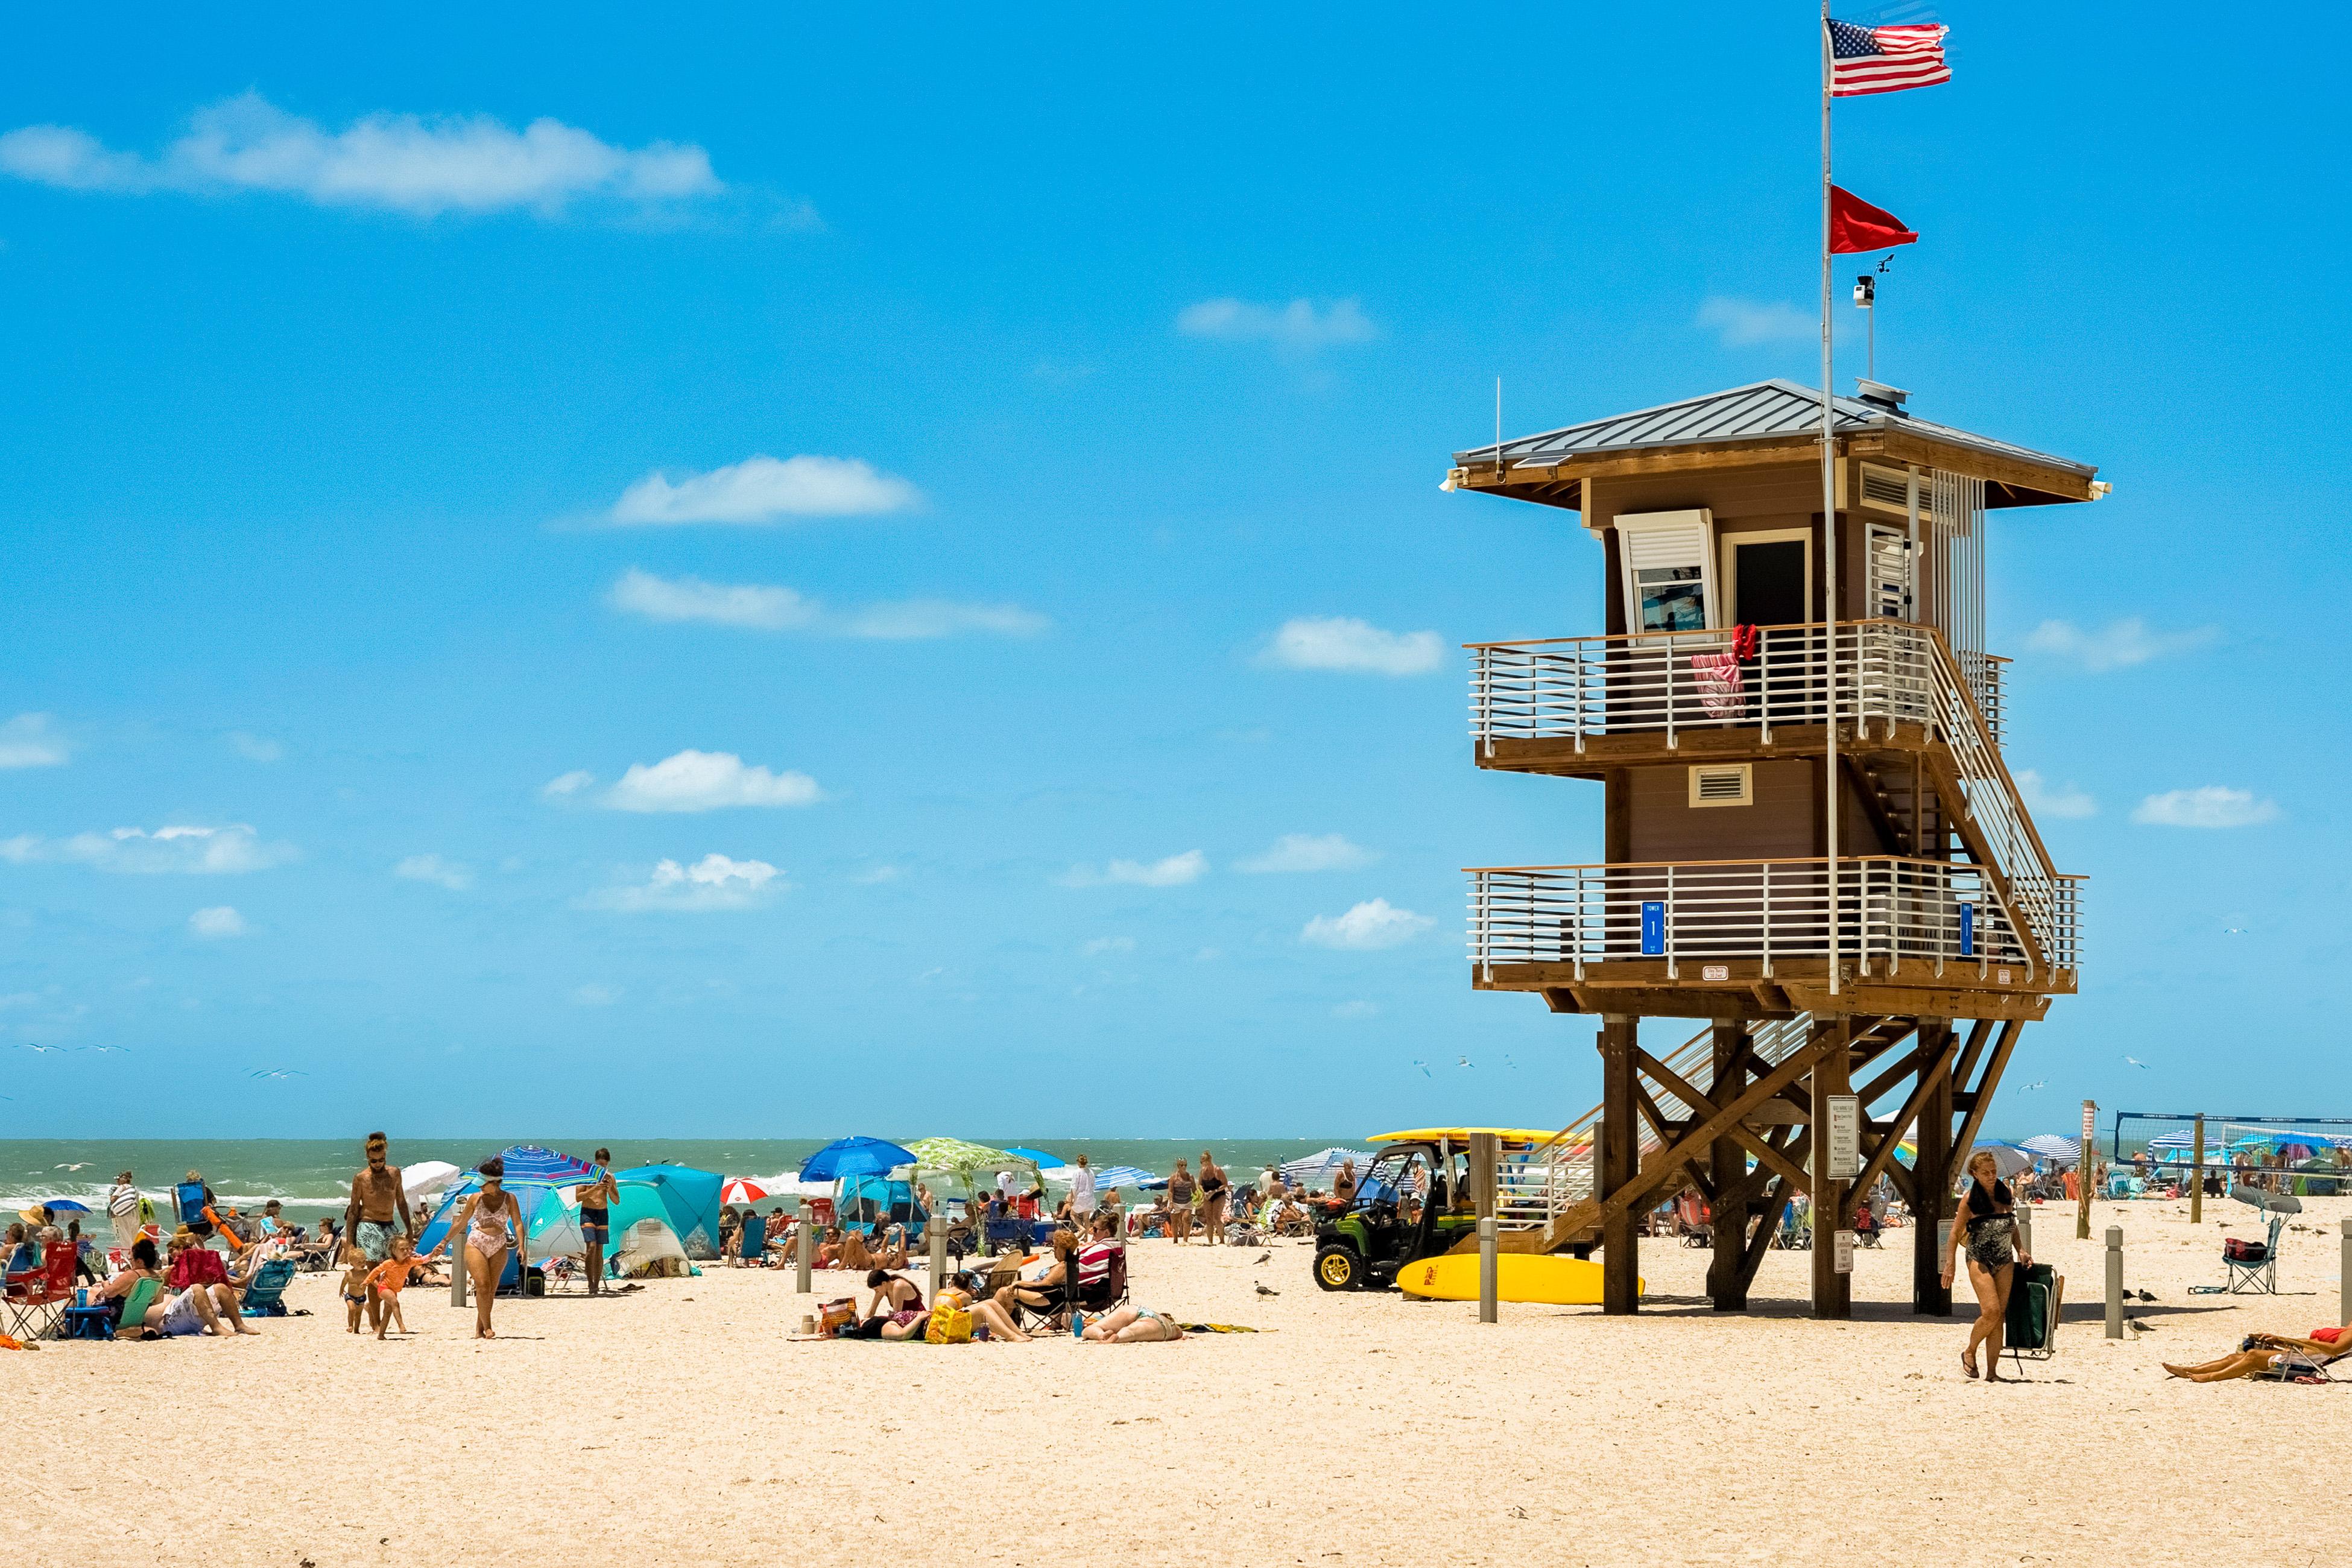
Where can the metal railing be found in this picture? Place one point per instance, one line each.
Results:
(1903, 911)
(1573, 689)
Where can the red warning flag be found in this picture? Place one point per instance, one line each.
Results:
(1856, 225)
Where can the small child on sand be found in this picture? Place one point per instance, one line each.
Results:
(355, 1283)
(390, 1274)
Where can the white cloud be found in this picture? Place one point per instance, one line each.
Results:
(568, 784)
(713, 882)
(913, 620)
(877, 876)
(720, 604)
(433, 869)
(1297, 327)
(763, 607)
(1309, 852)
(708, 781)
(217, 922)
(1334, 642)
(1103, 944)
(195, 850)
(2213, 806)
(1743, 323)
(761, 488)
(1355, 1010)
(256, 748)
(400, 162)
(2118, 646)
(31, 741)
(1172, 872)
(596, 995)
(1371, 924)
(2044, 800)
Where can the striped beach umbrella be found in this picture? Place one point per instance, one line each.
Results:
(742, 1190)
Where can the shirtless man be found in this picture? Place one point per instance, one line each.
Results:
(377, 1212)
(596, 1201)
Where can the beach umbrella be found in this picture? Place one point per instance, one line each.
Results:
(2186, 1138)
(742, 1190)
(528, 1164)
(857, 1156)
(1112, 1177)
(65, 1207)
(1037, 1157)
(2009, 1160)
(1324, 1163)
(427, 1178)
(2051, 1146)
(957, 1157)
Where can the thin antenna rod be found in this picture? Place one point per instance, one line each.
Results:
(1498, 426)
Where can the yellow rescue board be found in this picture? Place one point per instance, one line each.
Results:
(1518, 1277)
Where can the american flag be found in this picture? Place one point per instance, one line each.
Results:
(1885, 59)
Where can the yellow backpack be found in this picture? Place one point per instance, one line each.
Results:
(948, 1326)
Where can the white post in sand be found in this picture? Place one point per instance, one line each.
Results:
(2344, 1277)
(1486, 1159)
(937, 1235)
(804, 1249)
(2114, 1282)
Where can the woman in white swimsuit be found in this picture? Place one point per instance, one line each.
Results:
(487, 1219)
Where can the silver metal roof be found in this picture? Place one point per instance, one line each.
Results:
(1755, 413)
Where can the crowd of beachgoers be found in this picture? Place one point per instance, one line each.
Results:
(186, 1264)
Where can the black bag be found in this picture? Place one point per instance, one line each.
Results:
(2032, 1311)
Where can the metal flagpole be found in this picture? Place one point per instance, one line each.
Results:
(1829, 510)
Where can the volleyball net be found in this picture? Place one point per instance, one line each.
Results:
(2255, 1145)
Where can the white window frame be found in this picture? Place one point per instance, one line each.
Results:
(1629, 524)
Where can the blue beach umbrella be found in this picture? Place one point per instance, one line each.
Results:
(1112, 1177)
(857, 1156)
(1039, 1158)
(64, 1205)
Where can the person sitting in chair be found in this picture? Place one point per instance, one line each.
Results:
(2273, 1356)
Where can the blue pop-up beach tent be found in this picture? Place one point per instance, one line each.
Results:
(531, 1174)
(689, 1200)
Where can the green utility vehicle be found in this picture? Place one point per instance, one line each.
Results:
(1415, 1202)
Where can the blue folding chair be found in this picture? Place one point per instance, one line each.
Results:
(265, 1294)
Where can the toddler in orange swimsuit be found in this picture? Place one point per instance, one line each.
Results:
(390, 1276)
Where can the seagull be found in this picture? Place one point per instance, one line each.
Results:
(2233, 930)
(278, 1072)
(1511, 1064)
(31, 1046)
(1422, 1065)
(2148, 1295)
(2043, 1084)
(1464, 1062)
(2136, 1062)
(1266, 1256)
(1264, 1292)
(77, 1165)
(104, 1049)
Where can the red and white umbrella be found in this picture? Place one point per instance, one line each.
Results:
(742, 1190)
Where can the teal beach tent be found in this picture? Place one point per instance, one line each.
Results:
(689, 1200)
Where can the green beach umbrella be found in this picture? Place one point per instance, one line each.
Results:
(959, 1158)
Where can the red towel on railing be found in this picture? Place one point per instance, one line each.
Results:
(1743, 642)
(1718, 684)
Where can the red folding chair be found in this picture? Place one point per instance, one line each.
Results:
(38, 1300)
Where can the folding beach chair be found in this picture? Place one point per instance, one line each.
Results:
(752, 1240)
(1694, 1221)
(2030, 1331)
(2251, 1266)
(38, 1299)
(265, 1294)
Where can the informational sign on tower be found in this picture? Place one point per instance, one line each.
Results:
(1845, 1137)
(1653, 929)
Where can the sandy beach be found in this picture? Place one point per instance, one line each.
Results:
(679, 1425)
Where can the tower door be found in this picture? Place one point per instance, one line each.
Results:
(1770, 576)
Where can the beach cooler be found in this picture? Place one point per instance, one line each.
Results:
(2031, 1331)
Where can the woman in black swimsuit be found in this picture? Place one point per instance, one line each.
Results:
(1213, 1199)
(1988, 1231)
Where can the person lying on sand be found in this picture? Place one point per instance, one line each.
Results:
(1129, 1325)
(2280, 1355)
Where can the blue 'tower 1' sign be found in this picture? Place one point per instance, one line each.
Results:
(1968, 931)
(1654, 929)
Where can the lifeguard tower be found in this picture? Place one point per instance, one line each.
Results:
(1811, 840)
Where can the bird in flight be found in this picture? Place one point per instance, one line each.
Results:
(104, 1049)
(2233, 930)
(2043, 1084)
(1464, 1062)
(2136, 1062)
(77, 1165)
(1422, 1065)
(43, 1049)
(1511, 1064)
(278, 1072)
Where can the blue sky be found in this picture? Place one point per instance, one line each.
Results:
(747, 574)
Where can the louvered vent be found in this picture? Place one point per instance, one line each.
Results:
(1888, 490)
(1723, 783)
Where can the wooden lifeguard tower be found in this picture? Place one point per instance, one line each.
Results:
(1811, 840)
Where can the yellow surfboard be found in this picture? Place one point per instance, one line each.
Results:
(1518, 1277)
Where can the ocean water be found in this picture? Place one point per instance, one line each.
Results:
(311, 1176)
